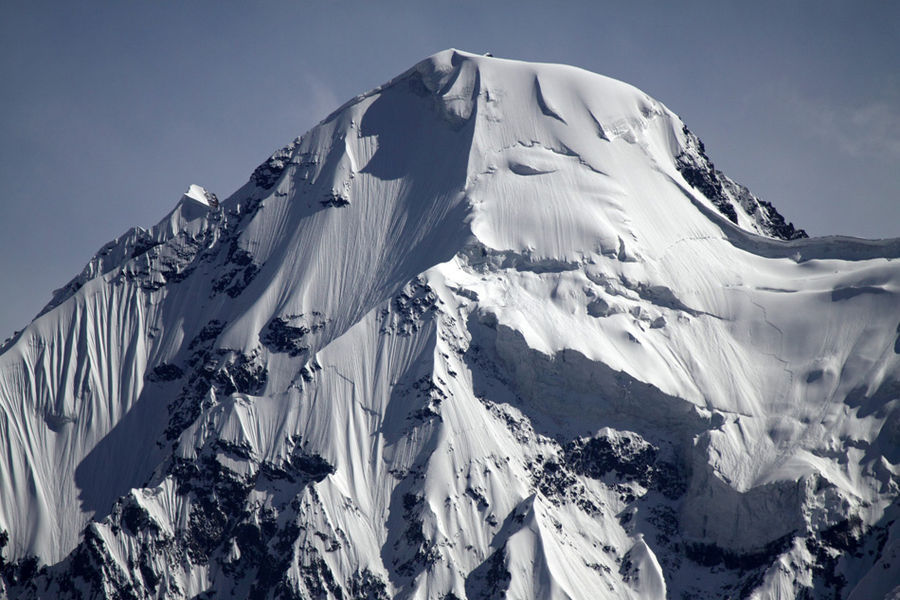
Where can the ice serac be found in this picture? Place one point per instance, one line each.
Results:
(493, 329)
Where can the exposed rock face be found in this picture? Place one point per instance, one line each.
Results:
(729, 197)
(493, 329)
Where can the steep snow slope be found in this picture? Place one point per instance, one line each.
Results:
(494, 328)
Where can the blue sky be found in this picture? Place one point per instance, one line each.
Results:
(109, 110)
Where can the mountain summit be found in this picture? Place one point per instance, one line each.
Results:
(494, 329)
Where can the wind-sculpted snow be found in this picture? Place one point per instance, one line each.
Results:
(493, 329)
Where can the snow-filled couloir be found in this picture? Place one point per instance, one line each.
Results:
(493, 329)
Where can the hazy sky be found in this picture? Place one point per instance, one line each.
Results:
(108, 111)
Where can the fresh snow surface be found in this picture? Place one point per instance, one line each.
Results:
(494, 329)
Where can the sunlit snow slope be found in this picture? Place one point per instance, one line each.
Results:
(494, 329)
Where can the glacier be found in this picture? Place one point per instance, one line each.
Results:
(493, 329)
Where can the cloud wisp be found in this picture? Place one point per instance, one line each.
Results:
(870, 129)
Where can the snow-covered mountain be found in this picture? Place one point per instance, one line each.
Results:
(494, 329)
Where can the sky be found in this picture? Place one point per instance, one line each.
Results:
(110, 110)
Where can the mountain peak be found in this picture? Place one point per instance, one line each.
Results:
(494, 327)
(525, 109)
